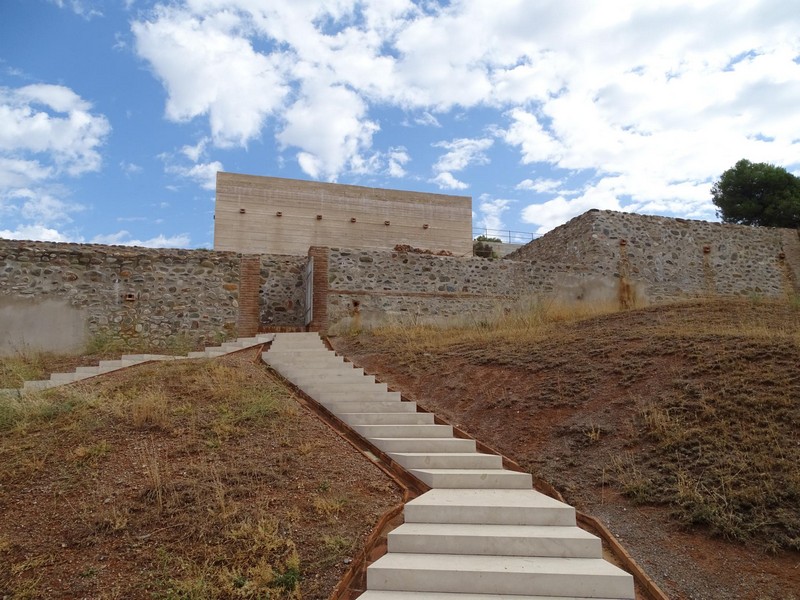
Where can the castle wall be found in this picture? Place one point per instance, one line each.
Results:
(367, 287)
(60, 296)
(271, 215)
(669, 258)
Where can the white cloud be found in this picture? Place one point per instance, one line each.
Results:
(123, 238)
(130, 168)
(427, 119)
(84, 8)
(210, 68)
(203, 174)
(446, 181)
(649, 101)
(18, 173)
(37, 232)
(541, 186)
(398, 157)
(492, 210)
(330, 124)
(462, 153)
(53, 124)
(193, 153)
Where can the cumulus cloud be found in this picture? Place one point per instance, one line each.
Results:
(462, 153)
(491, 211)
(648, 102)
(540, 186)
(446, 181)
(203, 174)
(123, 238)
(210, 68)
(397, 158)
(49, 132)
(330, 124)
(50, 125)
(37, 232)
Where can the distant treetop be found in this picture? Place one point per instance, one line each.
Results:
(758, 194)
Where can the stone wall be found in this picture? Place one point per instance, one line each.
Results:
(367, 287)
(669, 259)
(60, 296)
(281, 296)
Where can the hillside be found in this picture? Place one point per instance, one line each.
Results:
(199, 479)
(675, 425)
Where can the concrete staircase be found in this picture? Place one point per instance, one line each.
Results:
(129, 360)
(482, 532)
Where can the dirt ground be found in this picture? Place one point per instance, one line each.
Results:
(199, 479)
(620, 412)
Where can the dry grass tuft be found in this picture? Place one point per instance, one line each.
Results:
(149, 410)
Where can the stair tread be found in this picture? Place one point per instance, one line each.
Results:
(478, 529)
(390, 595)
(487, 498)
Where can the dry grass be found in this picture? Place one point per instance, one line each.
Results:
(529, 319)
(184, 474)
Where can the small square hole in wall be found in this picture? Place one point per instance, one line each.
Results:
(425, 226)
(352, 219)
(279, 214)
(387, 223)
(130, 297)
(319, 217)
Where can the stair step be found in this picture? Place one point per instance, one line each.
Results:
(42, 384)
(363, 395)
(416, 444)
(311, 377)
(495, 540)
(343, 373)
(106, 365)
(88, 370)
(387, 418)
(385, 595)
(458, 460)
(474, 478)
(362, 406)
(144, 357)
(62, 378)
(404, 431)
(357, 385)
(489, 507)
(587, 577)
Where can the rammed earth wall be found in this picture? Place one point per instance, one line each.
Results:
(59, 296)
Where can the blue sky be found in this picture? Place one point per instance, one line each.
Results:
(115, 115)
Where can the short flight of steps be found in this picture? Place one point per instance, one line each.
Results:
(481, 533)
(105, 366)
(129, 360)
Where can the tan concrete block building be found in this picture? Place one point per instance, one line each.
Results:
(272, 215)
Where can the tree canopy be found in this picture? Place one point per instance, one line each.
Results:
(758, 194)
